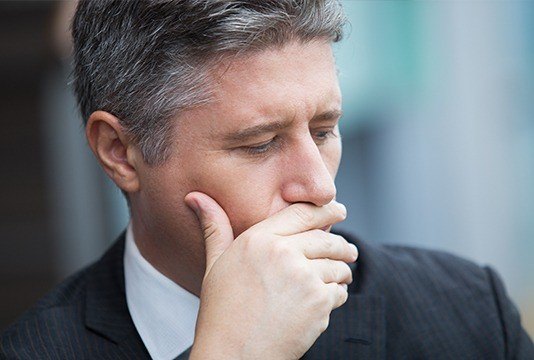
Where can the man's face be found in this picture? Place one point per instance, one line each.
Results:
(268, 140)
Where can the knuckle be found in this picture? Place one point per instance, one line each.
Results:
(210, 230)
(339, 239)
(251, 240)
(327, 242)
(341, 210)
(303, 213)
(312, 290)
(253, 232)
(300, 272)
(343, 296)
(338, 243)
(335, 273)
(316, 233)
(332, 211)
(322, 302)
(279, 249)
(337, 211)
(342, 245)
(348, 273)
(324, 324)
(246, 242)
(280, 253)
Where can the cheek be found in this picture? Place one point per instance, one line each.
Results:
(251, 192)
(248, 194)
(162, 198)
(248, 210)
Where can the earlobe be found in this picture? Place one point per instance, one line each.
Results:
(113, 149)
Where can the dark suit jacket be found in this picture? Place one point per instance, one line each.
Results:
(404, 304)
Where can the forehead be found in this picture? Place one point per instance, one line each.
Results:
(297, 80)
(295, 66)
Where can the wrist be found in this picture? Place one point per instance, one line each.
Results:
(204, 349)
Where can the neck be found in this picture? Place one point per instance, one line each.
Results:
(176, 257)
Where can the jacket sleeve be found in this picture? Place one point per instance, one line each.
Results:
(518, 343)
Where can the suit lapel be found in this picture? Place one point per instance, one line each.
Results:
(106, 310)
(356, 331)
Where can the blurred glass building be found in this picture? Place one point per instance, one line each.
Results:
(439, 131)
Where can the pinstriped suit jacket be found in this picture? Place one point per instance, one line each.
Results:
(404, 304)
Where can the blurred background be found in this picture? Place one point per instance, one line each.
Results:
(438, 137)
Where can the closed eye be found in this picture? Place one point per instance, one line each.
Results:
(321, 136)
(262, 148)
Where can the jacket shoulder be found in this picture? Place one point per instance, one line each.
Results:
(463, 305)
(434, 268)
(61, 325)
(46, 328)
(385, 267)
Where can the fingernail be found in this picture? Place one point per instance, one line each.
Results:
(193, 205)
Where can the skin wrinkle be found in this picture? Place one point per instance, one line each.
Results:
(242, 135)
(297, 83)
(170, 37)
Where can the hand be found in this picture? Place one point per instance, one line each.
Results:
(269, 292)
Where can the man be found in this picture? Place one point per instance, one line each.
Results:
(219, 121)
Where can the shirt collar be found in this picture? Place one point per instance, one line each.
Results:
(163, 312)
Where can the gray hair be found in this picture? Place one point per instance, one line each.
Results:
(145, 61)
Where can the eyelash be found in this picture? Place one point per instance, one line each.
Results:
(264, 148)
(325, 134)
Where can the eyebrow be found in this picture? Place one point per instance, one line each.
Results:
(257, 130)
(327, 115)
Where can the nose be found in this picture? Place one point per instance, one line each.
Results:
(306, 177)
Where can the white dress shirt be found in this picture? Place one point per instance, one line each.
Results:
(163, 312)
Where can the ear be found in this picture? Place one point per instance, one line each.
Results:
(113, 149)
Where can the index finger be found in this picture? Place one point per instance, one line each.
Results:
(300, 217)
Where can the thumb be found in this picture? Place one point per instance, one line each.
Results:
(214, 223)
